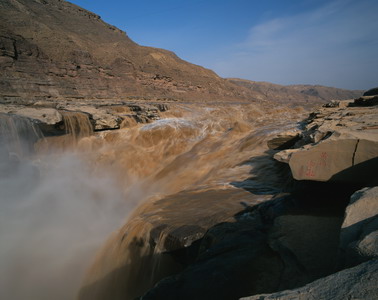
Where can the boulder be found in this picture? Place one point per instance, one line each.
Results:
(343, 157)
(338, 143)
(359, 282)
(359, 231)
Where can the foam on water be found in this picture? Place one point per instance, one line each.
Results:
(184, 170)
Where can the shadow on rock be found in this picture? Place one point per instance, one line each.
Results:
(279, 244)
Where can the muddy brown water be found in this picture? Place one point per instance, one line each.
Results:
(183, 174)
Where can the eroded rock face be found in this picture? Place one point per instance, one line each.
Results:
(359, 282)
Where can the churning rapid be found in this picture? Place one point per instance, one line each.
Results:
(92, 215)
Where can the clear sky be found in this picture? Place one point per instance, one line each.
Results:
(332, 43)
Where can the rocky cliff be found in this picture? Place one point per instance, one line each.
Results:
(52, 49)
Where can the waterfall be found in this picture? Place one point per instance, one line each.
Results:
(18, 134)
(183, 166)
(77, 124)
(177, 172)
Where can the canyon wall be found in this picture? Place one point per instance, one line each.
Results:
(53, 49)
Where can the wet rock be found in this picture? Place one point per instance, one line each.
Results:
(359, 282)
(183, 236)
(102, 117)
(359, 231)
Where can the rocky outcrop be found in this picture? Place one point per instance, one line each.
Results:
(339, 143)
(356, 283)
(359, 231)
(103, 116)
(338, 150)
(365, 101)
(284, 244)
(263, 250)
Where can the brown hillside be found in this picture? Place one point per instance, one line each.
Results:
(55, 49)
(296, 94)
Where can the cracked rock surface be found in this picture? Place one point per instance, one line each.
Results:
(339, 143)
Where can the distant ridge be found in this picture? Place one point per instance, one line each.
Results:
(57, 50)
(295, 94)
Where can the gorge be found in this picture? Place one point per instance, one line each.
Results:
(127, 173)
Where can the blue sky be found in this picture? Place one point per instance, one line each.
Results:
(332, 43)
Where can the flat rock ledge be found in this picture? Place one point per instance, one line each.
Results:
(339, 143)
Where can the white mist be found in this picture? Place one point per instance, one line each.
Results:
(52, 220)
